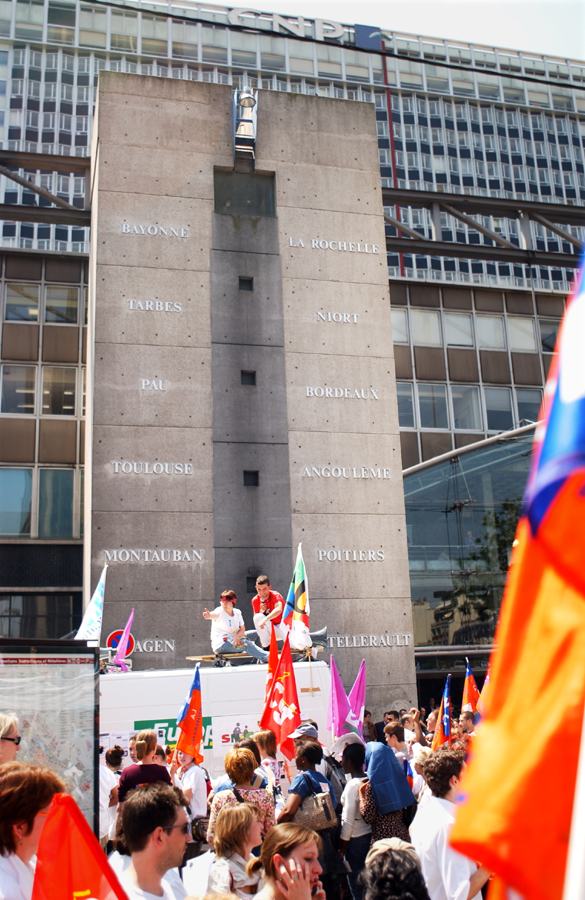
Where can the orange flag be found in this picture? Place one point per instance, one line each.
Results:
(70, 861)
(282, 713)
(537, 688)
(190, 721)
(272, 664)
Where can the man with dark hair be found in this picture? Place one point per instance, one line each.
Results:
(448, 874)
(467, 722)
(268, 606)
(391, 716)
(156, 831)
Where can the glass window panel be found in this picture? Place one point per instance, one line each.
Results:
(490, 332)
(498, 408)
(214, 44)
(426, 328)
(244, 50)
(528, 405)
(56, 503)
(405, 405)
(58, 391)
(18, 389)
(466, 408)
(432, 404)
(549, 329)
(301, 57)
(61, 304)
(22, 302)
(272, 53)
(15, 499)
(399, 326)
(521, 333)
(458, 330)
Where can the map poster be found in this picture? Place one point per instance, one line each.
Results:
(52, 687)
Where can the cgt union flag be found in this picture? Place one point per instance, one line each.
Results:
(282, 713)
(516, 815)
(190, 721)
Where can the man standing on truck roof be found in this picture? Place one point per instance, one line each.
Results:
(268, 606)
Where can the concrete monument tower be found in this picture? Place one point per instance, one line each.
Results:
(241, 373)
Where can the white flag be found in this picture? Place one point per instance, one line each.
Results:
(91, 626)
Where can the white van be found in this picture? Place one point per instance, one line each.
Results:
(232, 700)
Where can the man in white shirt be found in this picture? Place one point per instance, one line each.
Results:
(448, 875)
(228, 629)
(156, 831)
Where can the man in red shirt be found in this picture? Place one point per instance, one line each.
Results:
(268, 606)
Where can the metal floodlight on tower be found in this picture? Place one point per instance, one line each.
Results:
(245, 117)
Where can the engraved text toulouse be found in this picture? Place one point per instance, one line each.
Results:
(157, 468)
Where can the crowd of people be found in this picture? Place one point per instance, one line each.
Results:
(369, 821)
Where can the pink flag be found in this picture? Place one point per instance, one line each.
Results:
(339, 709)
(357, 699)
(123, 645)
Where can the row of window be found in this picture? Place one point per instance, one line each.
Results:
(464, 407)
(49, 121)
(44, 390)
(41, 502)
(56, 304)
(124, 22)
(432, 328)
(221, 46)
(488, 143)
(486, 115)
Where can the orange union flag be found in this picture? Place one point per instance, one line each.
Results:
(190, 721)
(70, 861)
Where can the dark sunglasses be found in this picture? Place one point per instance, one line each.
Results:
(185, 827)
(15, 740)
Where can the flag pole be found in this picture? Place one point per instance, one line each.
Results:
(575, 869)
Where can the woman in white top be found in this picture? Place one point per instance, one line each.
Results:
(9, 738)
(237, 831)
(356, 834)
(25, 797)
(228, 629)
(191, 779)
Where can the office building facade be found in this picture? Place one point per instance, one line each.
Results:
(473, 338)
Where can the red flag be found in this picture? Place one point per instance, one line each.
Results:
(272, 664)
(190, 721)
(70, 861)
(282, 713)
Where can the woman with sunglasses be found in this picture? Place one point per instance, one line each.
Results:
(25, 796)
(9, 738)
